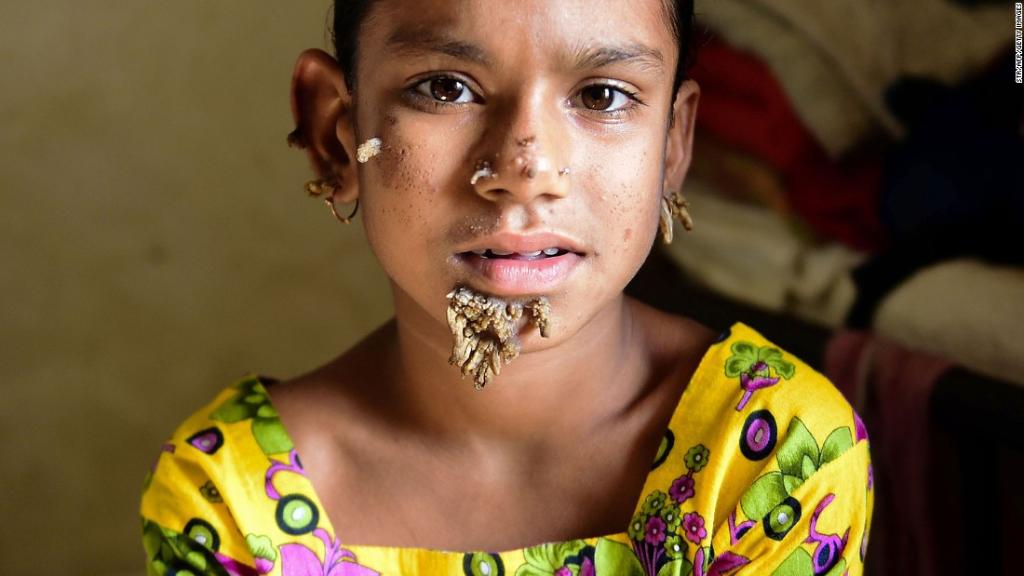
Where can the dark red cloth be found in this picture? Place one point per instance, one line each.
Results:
(743, 105)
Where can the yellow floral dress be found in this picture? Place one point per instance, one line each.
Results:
(764, 469)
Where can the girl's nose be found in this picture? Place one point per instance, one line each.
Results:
(526, 166)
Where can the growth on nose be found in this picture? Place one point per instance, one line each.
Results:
(525, 169)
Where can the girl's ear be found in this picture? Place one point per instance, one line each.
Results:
(679, 144)
(324, 121)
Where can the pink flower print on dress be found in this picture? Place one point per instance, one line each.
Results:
(655, 531)
(298, 560)
(693, 527)
(264, 566)
(723, 564)
(682, 489)
(235, 568)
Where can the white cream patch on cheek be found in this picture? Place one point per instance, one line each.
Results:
(368, 150)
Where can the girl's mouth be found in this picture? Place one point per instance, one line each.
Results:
(519, 273)
(535, 255)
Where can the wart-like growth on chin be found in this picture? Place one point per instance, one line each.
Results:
(485, 331)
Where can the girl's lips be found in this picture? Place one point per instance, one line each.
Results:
(513, 277)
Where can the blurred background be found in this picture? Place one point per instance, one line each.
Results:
(856, 188)
(158, 244)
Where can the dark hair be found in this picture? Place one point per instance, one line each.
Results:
(350, 14)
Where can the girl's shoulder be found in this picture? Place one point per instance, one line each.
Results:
(763, 459)
(229, 489)
(745, 372)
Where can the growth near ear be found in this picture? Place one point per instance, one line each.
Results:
(324, 124)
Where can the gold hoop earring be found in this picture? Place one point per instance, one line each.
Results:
(334, 210)
(674, 205)
(329, 188)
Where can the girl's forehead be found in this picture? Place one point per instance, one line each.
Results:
(523, 29)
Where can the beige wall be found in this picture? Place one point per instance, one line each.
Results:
(156, 243)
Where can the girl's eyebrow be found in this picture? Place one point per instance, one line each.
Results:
(597, 56)
(418, 40)
(409, 40)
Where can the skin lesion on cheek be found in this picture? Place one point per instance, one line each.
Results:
(368, 150)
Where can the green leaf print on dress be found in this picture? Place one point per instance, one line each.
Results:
(768, 498)
(757, 368)
(169, 552)
(252, 402)
(799, 563)
(611, 557)
(263, 552)
(575, 558)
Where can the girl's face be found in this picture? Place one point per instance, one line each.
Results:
(567, 101)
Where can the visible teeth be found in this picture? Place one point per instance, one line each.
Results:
(491, 252)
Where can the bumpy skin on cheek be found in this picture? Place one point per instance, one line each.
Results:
(484, 329)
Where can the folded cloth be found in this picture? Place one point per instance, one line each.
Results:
(966, 310)
(835, 60)
(748, 253)
(745, 108)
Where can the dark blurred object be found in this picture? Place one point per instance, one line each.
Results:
(980, 419)
(958, 171)
(953, 187)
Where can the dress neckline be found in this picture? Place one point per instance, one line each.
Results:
(683, 398)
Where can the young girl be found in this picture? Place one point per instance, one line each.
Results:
(513, 163)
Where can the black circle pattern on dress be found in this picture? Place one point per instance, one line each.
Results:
(758, 435)
(203, 532)
(781, 519)
(207, 441)
(667, 442)
(296, 514)
(483, 564)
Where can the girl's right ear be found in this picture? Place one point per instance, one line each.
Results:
(324, 121)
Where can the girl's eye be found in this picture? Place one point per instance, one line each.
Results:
(445, 89)
(604, 98)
